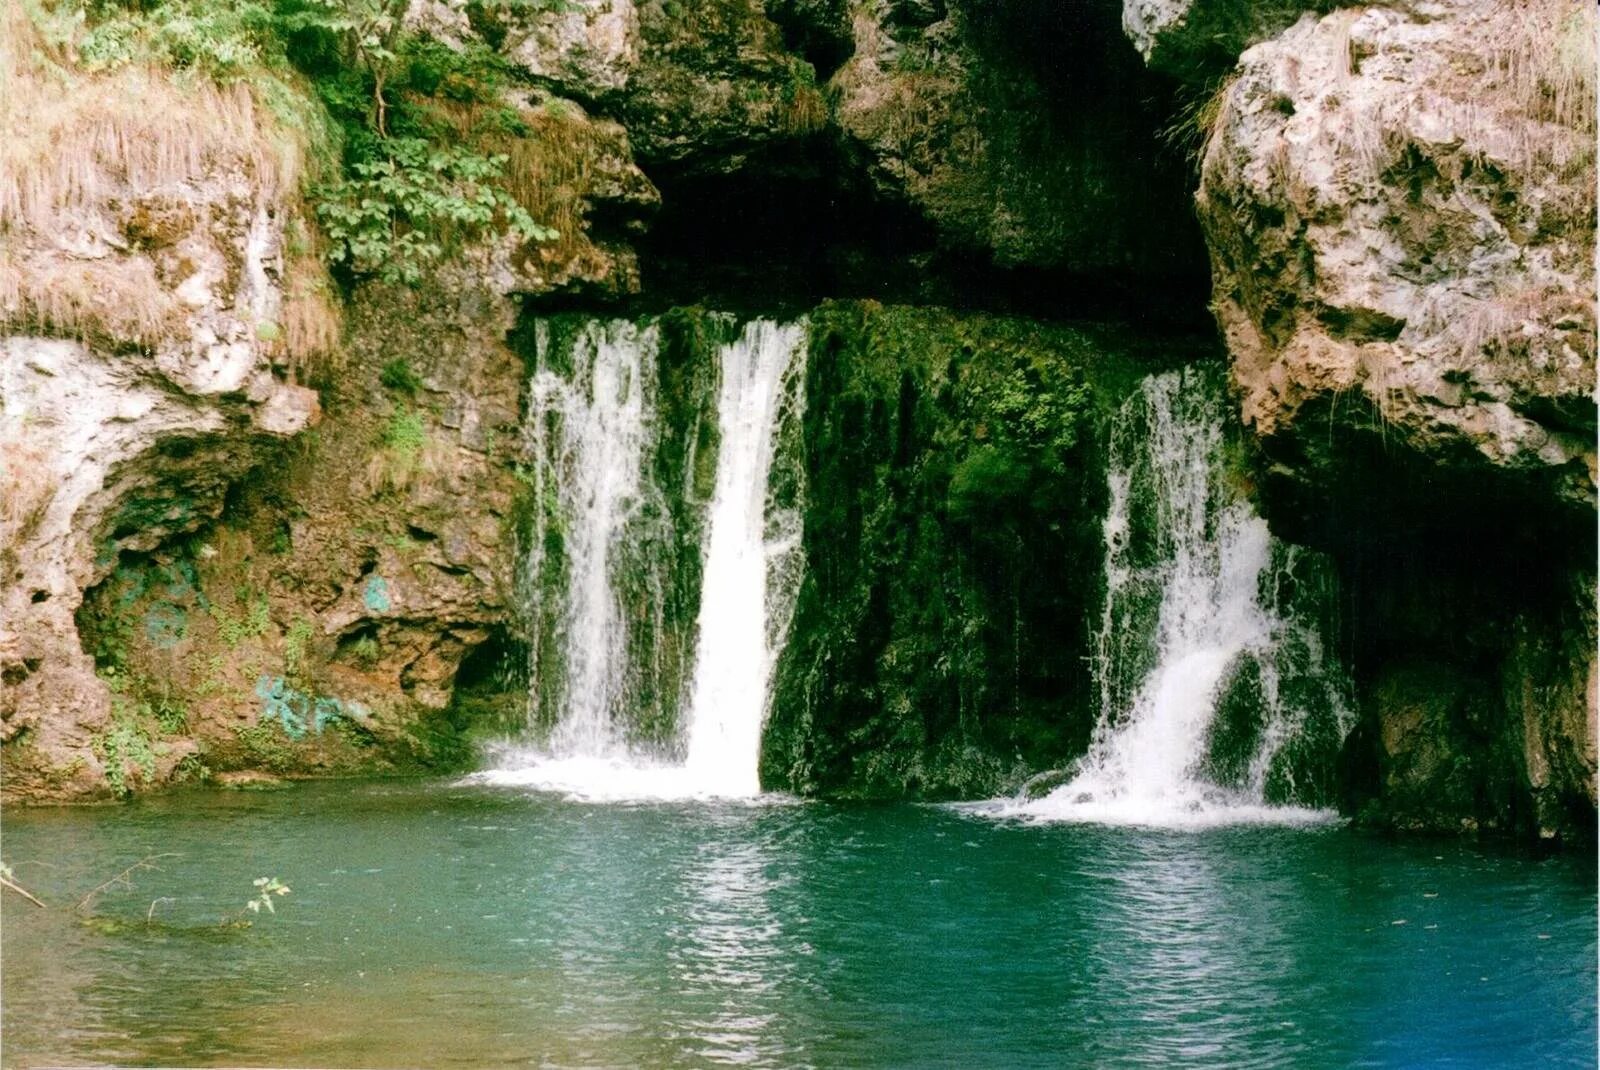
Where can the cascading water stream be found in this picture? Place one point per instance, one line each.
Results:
(744, 617)
(600, 532)
(596, 470)
(1217, 702)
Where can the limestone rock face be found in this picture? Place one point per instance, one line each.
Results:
(1400, 209)
(591, 192)
(715, 86)
(127, 434)
(586, 50)
(315, 621)
(978, 116)
(1199, 40)
(1399, 206)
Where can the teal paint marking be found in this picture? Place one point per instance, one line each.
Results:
(165, 624)
(377, 594)
(299, 712)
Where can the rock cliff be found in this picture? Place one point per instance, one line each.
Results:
(1399, 206)
(257, 516)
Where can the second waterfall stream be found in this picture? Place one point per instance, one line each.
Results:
(1220, 702)
(664, 559)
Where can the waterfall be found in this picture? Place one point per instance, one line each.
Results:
(744, 618)
(589, 432)
(617, 709)
(1218, 702)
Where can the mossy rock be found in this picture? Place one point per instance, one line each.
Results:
(952, 534)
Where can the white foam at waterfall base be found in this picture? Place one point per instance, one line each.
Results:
(1144, 763)
(749, 581)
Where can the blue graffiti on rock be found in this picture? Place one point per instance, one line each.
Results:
(299, 712)
(165, 625)
(377, 594)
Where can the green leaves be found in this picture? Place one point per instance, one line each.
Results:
(393, 216)
(413, 182)
(266, 888)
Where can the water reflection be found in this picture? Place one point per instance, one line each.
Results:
(471, 928)
(1194, 960)
(727, 950)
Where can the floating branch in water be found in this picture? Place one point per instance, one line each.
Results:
(7, 882)
(124, 878)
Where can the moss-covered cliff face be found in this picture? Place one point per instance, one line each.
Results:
(953, 551)
(316, 623)
(1469, 614)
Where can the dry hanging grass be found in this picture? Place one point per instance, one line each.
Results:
(110, 301)
(1544, 60)
(70, 138)
(28, 485)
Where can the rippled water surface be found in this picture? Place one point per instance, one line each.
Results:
(434, 925)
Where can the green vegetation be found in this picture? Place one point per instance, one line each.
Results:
(249, 619)
(124, 748)
(952, 535)
(402, 452)
(364, 652)
(398, 376)
(170, 715)
(405, 434)
(265, 746)
(405, 137)
(266, 888)
(294, 648)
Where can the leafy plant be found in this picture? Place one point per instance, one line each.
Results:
(170, 715)
(124, 748)
(390, 218)
(266, 888)
(249, 620)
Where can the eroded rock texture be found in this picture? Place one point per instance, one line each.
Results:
(1399, 205)
(127, 433)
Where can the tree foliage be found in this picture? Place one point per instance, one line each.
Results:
(408, 180)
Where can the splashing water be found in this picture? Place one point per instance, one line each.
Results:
(593, 432)
(1218, 704)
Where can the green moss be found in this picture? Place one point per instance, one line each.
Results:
(953, 546)
(264, 746)
(398, 376)
(405, 434)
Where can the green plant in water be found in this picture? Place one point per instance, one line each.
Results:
(266, 888)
